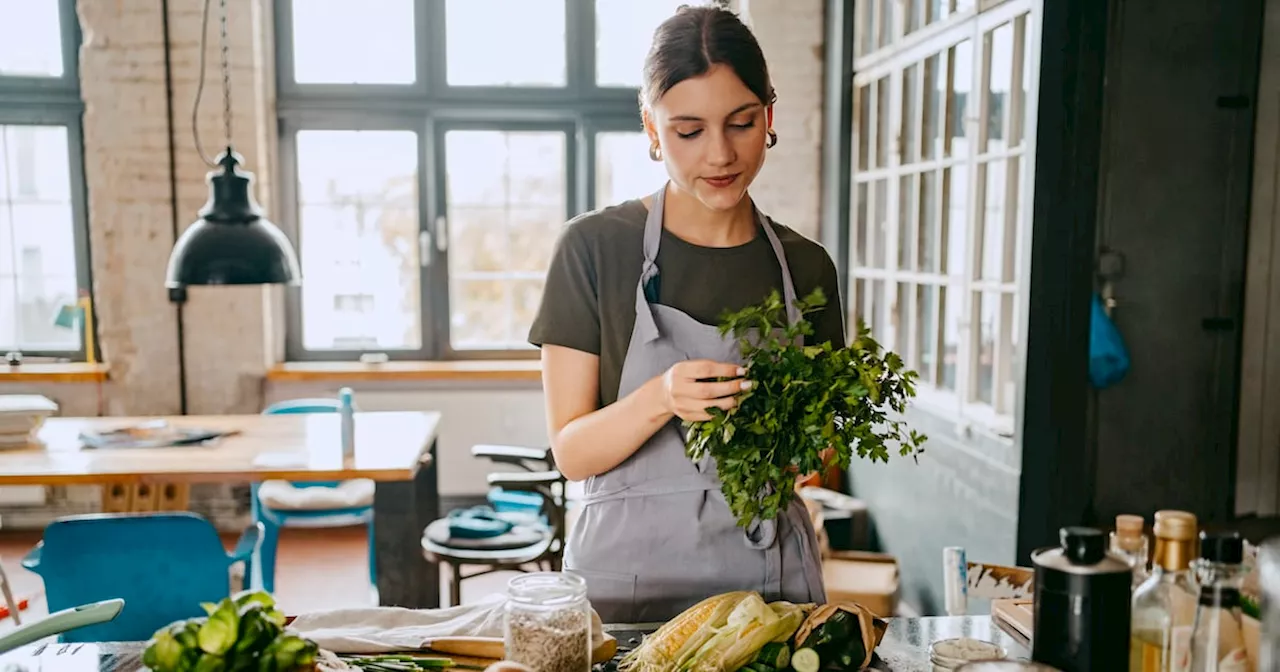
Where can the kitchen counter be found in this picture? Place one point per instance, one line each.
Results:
(905, 647)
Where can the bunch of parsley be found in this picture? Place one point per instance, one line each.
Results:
(804, 400)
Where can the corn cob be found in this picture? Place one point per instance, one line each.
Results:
(683, 635)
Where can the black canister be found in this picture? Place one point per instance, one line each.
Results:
(1082, 604)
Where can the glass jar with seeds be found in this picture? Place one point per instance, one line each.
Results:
(547, 622)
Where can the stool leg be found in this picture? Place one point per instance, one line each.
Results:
(455, 589)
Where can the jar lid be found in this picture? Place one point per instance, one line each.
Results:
(1175, 525)
(1226, 547)
(1129, 525)
(1081, 550)
(547, 588)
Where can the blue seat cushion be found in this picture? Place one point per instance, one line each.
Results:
(518, 536)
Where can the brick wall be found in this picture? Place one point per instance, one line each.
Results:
(232, 334)
(791, 34)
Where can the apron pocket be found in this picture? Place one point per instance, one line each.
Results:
(611, 595)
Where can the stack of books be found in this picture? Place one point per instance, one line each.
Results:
(21, 416)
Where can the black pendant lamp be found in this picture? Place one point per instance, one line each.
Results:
(232, 243)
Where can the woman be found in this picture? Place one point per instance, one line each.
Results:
(628, 333)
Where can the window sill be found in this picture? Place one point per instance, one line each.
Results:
(71, 372)
(464, 370)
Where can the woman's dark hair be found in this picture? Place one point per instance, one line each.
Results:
(696, 38)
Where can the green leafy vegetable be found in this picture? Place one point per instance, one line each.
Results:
(242, 633)
(803, 401)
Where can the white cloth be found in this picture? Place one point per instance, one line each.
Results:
(390, 629)
(285, 496)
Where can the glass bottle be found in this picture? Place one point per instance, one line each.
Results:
(547, 622)
(1164, 606)
(1217, 640)
(1269, 584)
(1128, 542)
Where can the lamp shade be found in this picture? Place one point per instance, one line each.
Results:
(232, 243)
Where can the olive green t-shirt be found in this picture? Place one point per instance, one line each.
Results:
(589, 302)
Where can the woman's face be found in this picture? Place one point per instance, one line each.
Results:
(712, 131)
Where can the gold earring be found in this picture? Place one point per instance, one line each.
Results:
(773, 139)
(655, 152)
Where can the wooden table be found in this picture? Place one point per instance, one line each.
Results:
(396, 449)
(905, 648)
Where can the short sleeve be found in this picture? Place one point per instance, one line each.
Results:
(828, 324)
(569, 312)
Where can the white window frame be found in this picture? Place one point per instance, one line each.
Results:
(891, 61)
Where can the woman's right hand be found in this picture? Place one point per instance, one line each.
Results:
(690, 388)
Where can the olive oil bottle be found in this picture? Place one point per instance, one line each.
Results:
(1164, 606)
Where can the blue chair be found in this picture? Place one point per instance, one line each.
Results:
(162, 564)
(277, 504)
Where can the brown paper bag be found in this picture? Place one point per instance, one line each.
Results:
(872, 627)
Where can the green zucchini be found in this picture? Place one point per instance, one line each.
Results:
(805, 660)
(775, 654)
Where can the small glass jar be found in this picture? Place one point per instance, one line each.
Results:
(547, 622)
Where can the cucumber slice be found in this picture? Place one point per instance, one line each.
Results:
(805, 660)
(775, 654)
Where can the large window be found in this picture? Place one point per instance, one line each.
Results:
(433, 149)
(43, 248)
(940, 193)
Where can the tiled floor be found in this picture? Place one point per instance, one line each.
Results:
(334, 558)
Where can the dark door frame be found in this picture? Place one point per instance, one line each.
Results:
(1057, 482)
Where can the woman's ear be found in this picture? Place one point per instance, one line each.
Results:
(768, 117)
(649, 127)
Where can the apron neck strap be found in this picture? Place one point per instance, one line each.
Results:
(653, 241)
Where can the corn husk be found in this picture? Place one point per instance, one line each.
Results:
(872, 627)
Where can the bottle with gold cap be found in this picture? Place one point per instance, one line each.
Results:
(1164, 606)
(1128, 542)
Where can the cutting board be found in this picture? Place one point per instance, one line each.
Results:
(467, 650)
(1017, 614)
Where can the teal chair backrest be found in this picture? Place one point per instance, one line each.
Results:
(162, 564)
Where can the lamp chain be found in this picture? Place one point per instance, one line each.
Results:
(226, 77)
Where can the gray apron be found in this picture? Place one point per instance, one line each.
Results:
(655, 534)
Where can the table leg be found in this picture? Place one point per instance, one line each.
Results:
(401, 511)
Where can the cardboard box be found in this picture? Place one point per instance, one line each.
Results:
(870, 579)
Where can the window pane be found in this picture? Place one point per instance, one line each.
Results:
(37, 238)
(935, 92)
(988, 319)
(882, 122)
(358, 229)
(927, 242)
(1001, 45)
(906, 221)
(879, 224)
(951, 302)
(531, 33)
(30, 38)
(862, 110)
(926, 316)
(343, 42)
(507, 200)
(993, 230)
(866, 27)
(1019, 122)
(961, 81)
(624, 31)
(879, 312)
(915, 15)
(885, 17)
(957, 213)
(910, 129)
(861, 223)
(624, 169)
(901, 321)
